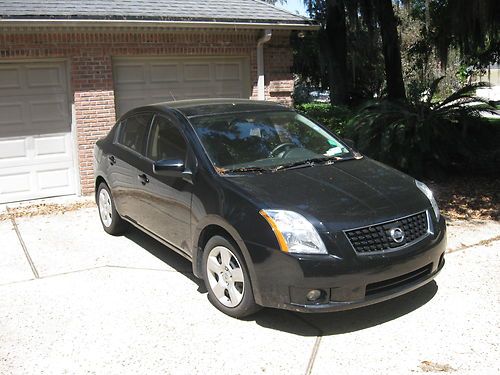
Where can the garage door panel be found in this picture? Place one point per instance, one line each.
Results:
(167, 98)
(30, 115)
(36, 158)
(35, 150)
(162, 96)
(45, 76)
(11, 114)
(197, 72)
(56, 145)
(132, 101)
(228, 72)
(13, 149)
(229, 86)
(161, 73)
(130, 73)
(16, 183)
(192, 91)
(53, 178)
(10, 78)
(38, 181)
(34, 79)
(198, 95)
(181, 94)
(53, 110)
(141, 81)
(230, 95)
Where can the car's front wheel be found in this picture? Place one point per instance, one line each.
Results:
(227, 279)
(110, 219)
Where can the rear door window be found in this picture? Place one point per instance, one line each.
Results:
(133, 131)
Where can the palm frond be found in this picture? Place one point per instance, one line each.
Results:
(410, 135)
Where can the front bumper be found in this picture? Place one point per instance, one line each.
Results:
(346, 282)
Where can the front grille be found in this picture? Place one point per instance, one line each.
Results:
(377, 238)
(395, 282)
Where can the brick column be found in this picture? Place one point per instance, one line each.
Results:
(278, 61)
(92, 80)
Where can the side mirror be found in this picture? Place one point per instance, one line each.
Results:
(169, 167)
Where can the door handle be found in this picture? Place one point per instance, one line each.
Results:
(112, 160)
(143, 178)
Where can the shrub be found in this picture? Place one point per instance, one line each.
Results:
(333, 117)
(422, 137)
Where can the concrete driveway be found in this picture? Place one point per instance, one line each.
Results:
(76, 300)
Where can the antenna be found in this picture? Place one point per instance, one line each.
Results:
(172, 95)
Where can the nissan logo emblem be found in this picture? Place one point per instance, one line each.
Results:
(397, 235)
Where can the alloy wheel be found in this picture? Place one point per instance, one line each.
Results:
(105, 208)
(225, 276)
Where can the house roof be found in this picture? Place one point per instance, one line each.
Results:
(250, 12)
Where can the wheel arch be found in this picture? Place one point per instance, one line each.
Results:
(99, 180)
(215, 225)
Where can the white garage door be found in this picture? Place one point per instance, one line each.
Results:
(140, 81)
(36, 158)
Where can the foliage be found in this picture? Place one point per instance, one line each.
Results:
(274, 2)
(453, 38)
(362, 54)
(431, 46)
(469, 25)
(333, 117)
(302, 91)
(458, 38)
(420, 137)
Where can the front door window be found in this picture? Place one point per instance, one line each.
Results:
(166, 141)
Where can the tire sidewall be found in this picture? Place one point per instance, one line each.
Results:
(247, 306)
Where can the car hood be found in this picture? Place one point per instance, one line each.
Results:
(346, 194)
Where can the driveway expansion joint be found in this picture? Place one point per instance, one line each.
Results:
(314, 353)
(187, 272)
(307, 322)
(42, 277)
(23, 245)
(317, 342)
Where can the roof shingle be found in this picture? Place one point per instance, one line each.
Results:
(245, 11)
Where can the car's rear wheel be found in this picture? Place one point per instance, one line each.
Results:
(110, 219)
(227, 279)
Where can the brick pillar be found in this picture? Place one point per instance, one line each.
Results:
(92, 80)
(279, 77)
(278, 61)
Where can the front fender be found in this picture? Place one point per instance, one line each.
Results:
(219, 221)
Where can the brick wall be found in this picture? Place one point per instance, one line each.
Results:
(90, 54)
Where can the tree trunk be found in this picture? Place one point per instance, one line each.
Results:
(427, 15)
(390, 46)
(336, 50)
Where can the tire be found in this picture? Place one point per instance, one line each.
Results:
(111, 221)
(227, 279)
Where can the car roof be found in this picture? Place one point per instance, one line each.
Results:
(204, 107)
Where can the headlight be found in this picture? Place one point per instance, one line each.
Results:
(294, 232)
(428, 193)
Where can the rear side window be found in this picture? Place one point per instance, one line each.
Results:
(133, 131)
(166, 141)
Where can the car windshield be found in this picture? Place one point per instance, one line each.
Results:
(265, 140)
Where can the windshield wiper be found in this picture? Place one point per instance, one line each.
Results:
(251, 168)
(308, 163)
(325, 160)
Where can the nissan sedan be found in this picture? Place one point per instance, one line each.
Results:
(271, 208)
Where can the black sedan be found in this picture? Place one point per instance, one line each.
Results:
(270, 207)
